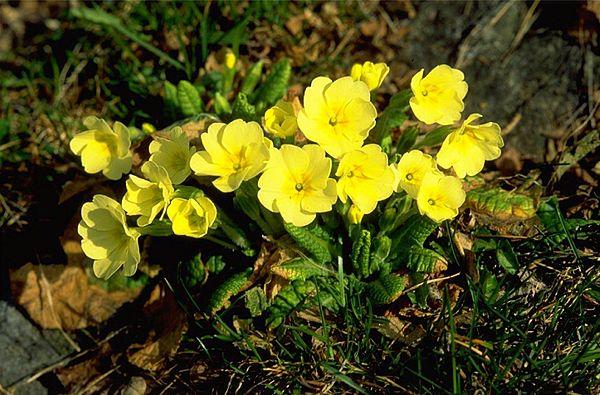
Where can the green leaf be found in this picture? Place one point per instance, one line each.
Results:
(423, 260)
(230, 287)
(299, 269)
(275, 85)
(243, 109)
(434, 138)
(215, 264)
(415, 231)
(189, 99)
(222, 106)
(386, 289)
(507, 257)
(500, 205)
(97, 16)
(310, 239)
(195, 272)
(252, 78)
(361, 254)
(288, 300)
(393, 116)
(549, 215)
(489, 286)
(171, 100)
(256, 301)
(407, 140)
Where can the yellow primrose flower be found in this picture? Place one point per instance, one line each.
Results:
(337, 115)
(234, 153)
(365, 177)
(438, 97)
(370, 73)
(173, 154)
(147, 198)
(102, 148)
(411, 168)
(230, 60)
(107, 239)
(296, 183)
(467, 148)
(355, 215)
(192, 217)
(440, 196)
(280, 120)
(148, 128)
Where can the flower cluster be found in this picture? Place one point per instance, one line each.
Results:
(341, 168)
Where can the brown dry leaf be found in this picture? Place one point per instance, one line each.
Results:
(167, 325)
(405, 331)
(77, 376)
(273, 285)
(294, 24)
(59, 296)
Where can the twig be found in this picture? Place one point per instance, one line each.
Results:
(98, 380)
(51, 303)
(435, 280)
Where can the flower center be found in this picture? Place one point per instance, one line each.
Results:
(299, 187)
(424, 92)
(333, 121)
(431, 202)
(350, 174)
(409, 176)
(237, 166)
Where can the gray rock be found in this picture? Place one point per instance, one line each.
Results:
(23, 350)
(535, 76)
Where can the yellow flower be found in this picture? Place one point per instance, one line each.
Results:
(438, 97)
(467, 148)
(280, 120)
(365, 177)
(337, 115)
(230, 60)
(173, 154)
(355, 215)
(147, 198)
(296, 183)
(148, 128)
(102, 148)
(234, 153)
(370, 73)
(411, 169)
(440, 196)
(192, 217)
(107, 239)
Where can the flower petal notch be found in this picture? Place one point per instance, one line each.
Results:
(233, 152)
(412, 168)
(337, 115)
(296, 183)
(438, 97)
(440, 196)
(365, 178)
(103, 149)
(467, 148)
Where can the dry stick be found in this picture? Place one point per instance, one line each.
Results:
(435, 280)
(98, 379)
(51, 303)
(65, 361)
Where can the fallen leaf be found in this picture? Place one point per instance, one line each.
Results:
(167, 325)
(59, 296)
(78, 185)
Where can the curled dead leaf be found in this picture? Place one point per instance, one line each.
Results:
(58, 296)
(167, 325)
